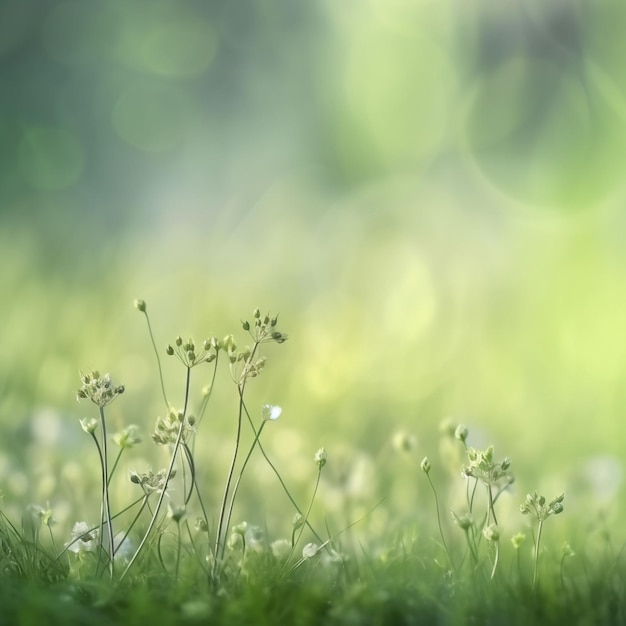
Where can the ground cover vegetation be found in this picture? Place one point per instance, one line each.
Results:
(177, 550)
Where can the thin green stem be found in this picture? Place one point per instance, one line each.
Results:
(105, 490)
(117, 460)
(241, 471)
(537, 546)
(168, 476)
(280, 479)
(219, 540)
(443, 539)
(156, 352)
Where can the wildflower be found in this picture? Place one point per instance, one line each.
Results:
(425, 465)
(176, 513)
(518, 539)
(140, 305)
(128, 438)
(281, 548)
(270, 412)
(89, 425)
(320, 457)
(83, 539)
(403, 441)
(536, 505)
(240, 529)
(201, 525)
(99, 389)
(44, 514)
(151, 482)
(464, 521)
(167, 428)
(310, 550)
(461, 432)
(491, 532)
(482, 467)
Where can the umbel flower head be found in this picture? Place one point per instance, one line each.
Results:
(99, 389)
(482, 466)
(537, 506)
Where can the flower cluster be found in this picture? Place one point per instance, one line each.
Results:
(167, 428)
(99, 389)
(151, 482)
(536, 505)
(190, 355)
(128, 438)
(264, 328)
(482, 467)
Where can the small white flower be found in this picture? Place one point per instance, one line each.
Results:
(270, 412)
(281, 548)
(320, 457)
(83, 540)
(89, 425)
(310, 550)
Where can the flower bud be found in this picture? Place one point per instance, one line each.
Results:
(140, 305)
(491, 532)
(425, 465)
(320, 457)
(461, 432)
(89, 425)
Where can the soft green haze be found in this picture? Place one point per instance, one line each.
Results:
(431, 194)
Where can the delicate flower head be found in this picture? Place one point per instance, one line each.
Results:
(491, 532)
(151, 482)
(461, 432)
(536, 506)
(463, 521)
(270, 412)
(127, 438)
(320, 457)
(83, 539)
(425, 465)
(310, 550)
(518, 539)
(89, 425)
(44, 514)
(176, 512)
(281, 549)
(403, 441)
(98, 388)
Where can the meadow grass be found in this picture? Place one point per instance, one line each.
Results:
(151, 560)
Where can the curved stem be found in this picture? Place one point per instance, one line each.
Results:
(105, 490)
(117, 460)
(219, 541)
(280, 479)
(537, 544)
(241, 471)
(156, 353)
(443, 539)
(177, 444)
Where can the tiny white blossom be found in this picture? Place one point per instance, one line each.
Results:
(310, 550)
(83, 540)
(270, 412)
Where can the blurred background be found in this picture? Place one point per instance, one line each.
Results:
(430, 193)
